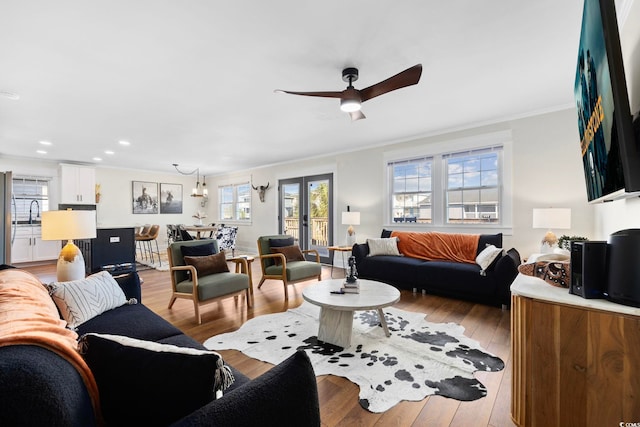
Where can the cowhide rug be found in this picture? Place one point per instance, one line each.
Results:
(419, 359)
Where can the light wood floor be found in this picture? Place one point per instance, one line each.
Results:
(339, 397)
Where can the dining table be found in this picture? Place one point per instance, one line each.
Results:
(201, 229)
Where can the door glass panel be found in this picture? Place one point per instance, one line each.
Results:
(290, 207)
(318, 208)
(306, 212)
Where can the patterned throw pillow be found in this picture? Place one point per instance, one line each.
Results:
(383, 246)
(210, 264)
(84, 299)
(291, 253)
(148, 383)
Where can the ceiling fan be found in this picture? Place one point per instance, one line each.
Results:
(351, 98)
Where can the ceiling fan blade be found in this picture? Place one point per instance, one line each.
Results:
(357, 115)
(408, 77)
(321, 94)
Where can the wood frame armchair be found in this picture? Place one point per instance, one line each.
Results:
(288, 271)
(209, 288)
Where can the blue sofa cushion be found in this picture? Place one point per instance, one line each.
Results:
(165, 382)
(40, 388)
(292, 381)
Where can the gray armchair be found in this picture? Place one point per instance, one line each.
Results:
(201, 286)
(277, 266)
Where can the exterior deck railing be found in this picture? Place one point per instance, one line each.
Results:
(319, 230)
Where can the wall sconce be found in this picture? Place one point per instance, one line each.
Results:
(197, 191)
(556, 218)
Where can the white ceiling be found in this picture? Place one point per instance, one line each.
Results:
(191, 82)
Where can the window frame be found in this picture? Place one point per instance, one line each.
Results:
(437, 151)
(234, 185)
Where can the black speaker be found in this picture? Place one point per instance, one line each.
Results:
(588, 269)
(624, 267)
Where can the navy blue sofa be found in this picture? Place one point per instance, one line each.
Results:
(446, 278)
(38, 387)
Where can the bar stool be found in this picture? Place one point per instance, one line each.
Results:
(140, 235)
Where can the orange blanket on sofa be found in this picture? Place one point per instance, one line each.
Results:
(28, 316)
(438, 246)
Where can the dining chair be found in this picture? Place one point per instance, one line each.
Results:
(276, 262)
(226, 237)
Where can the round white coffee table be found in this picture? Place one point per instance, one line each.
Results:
(336, 310)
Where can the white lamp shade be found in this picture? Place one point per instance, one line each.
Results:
(68, 225)
(552, 218)
(350, 218)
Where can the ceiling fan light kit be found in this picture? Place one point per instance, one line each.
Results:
(351, 99)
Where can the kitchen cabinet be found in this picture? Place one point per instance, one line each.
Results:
(575, 361)
(77, 184)
(28, 246)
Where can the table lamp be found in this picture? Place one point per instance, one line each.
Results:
(350, 218)
(69, 225)
(556, 218)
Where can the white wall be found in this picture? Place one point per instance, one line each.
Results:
(623, 214)
(115, 207)
(547, 172)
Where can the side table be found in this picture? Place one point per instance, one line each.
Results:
(342, 250)
(239, 269)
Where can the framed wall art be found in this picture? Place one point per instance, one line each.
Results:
(145, 197)
(170, 198)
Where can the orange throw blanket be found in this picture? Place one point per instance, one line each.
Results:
(438, 246)
(28, 316)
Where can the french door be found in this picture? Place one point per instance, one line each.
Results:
(306, 211)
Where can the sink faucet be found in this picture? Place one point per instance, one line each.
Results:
(30, 210)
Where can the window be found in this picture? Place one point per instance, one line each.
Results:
(411, 197)
(472, 190)
(235, 202)
(454, 183)
(31, 197)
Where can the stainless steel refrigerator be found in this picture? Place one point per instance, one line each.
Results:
(7, 230)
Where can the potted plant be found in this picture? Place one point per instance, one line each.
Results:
(564, 242)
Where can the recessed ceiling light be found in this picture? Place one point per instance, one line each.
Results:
(124, 143)
(97, 159)
(9, 95)
(45, 143)
(109, 152)
(41, 152)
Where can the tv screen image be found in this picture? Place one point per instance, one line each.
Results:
(609, 152)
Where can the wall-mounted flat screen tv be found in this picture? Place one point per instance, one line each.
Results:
(610, 156)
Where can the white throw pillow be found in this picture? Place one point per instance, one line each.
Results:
(383, 246)
(84, 299)
(486, 257)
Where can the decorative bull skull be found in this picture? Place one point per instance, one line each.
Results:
(261, 190)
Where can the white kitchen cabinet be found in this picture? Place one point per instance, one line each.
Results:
(28, 246)
(77, 185)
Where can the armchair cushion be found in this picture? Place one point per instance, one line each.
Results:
(83, 299)
(291, 253)
(166, 382)
(207, 265)
(215, 285)
(278, 243)
(199, 250)
(297, 270)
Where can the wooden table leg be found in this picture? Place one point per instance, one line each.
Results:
(383, 322)
(335, 327)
